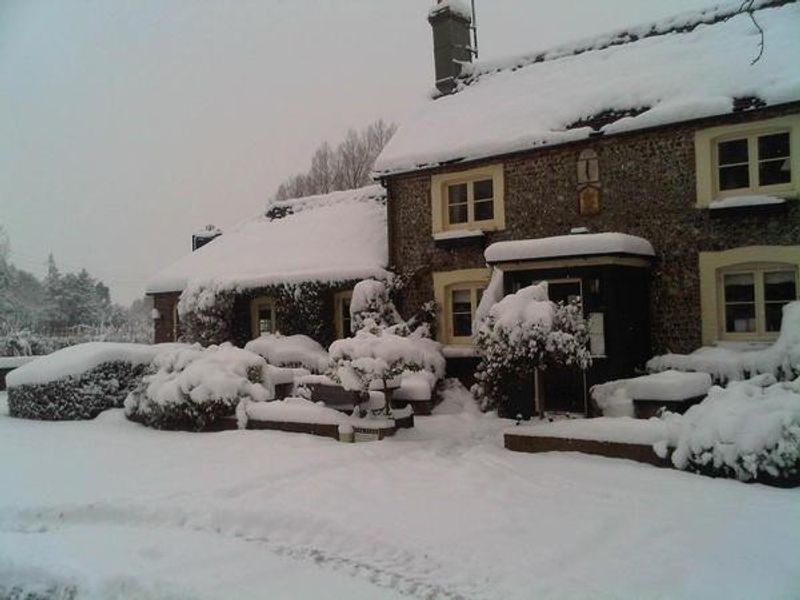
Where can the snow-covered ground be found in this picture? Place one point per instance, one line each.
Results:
(442, 511)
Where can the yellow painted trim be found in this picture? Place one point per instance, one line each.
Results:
(439, 206)
(710, 264)
(255, 303)
(338, 298)
(705, 158)
(443, 282)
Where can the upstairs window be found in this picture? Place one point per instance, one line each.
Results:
(755, 158)
(470, 200)
(754, 163)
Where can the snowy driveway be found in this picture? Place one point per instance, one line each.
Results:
(120, 511)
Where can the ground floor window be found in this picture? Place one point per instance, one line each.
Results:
(743, 291)
(457, 294)
(262, 316)
(754, 297)
(342, 314)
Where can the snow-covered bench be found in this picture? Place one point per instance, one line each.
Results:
(644, 396)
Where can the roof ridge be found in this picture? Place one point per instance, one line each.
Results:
(680, 23)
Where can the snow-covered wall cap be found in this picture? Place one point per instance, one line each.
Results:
(339, 236)
(587, 244)
(456, 7)
(643, 77)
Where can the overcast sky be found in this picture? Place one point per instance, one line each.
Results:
(127, 125)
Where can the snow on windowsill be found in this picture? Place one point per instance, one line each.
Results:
(744, 201)
(457, 234)
(459, 351)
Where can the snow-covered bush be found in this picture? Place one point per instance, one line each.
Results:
(523, 332)
(377, 354)
(76, 397)
(206, 313)
(24, 342)
(371, 302)
(192, 387)
(749, 430)
(781, 359)
(290, 351)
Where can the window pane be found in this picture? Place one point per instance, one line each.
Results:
(774, 315)
(462, 325)
(734, 178)
(484, 211)
(346, 317)
(462, 301)
(733, 152)
(772, 172)
(457, 214)
(740, 288)
(265, 319)
(773, 146)
(780, 286)
(457, 194)
(740, 318)
(483, 189)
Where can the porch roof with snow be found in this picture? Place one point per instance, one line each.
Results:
(694, 65)
(333, 237)
(569, 246)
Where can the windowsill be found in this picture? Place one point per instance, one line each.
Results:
(753, 201)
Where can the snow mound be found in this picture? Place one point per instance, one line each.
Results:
(526, 309)
(604, 429)
(290, 351)
(292, 409)
(75, 360)
(615, 398)
(629, 80)
(339, 236)
(781, 359)
(744, 430)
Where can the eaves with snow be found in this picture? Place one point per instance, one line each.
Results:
(333, 237)
(694, 65)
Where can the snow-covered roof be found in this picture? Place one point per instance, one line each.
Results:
(331, 237)
(585, 244)
(694, 65)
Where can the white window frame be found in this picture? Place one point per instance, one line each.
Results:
(752, 164)
(444, 283)
(474, 288)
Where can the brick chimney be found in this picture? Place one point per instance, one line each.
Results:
(451, 21)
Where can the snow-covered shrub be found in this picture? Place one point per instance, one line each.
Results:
(378, 354)
(206, 313)
(749, 430)
(781, 359)
(290, 351)
(74, 397)
(371, 302)
(24, 342)
(192, 387)
(523, 332)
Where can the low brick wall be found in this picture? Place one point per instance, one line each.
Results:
(639, 452)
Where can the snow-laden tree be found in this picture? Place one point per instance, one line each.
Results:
(524, 332)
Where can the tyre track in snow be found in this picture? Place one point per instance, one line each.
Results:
(380, 564)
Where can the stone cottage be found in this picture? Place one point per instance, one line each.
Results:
(290, 270)
(654, 172)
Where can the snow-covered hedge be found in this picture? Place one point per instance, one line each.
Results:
(192, 387)
(290, 351)
(522, 332)
(78, 382)
(781, 359)
(749, 430)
